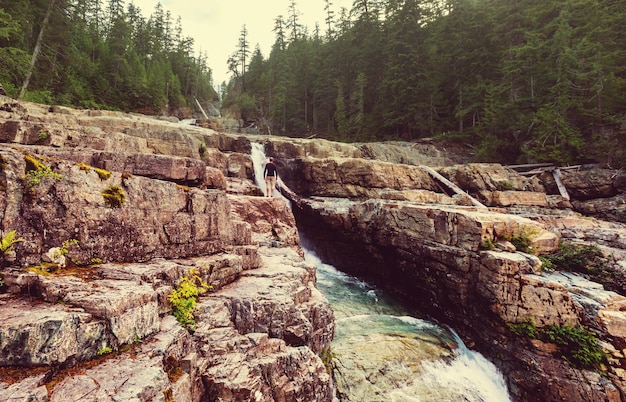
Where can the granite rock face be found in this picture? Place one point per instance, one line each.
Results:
(135, 205)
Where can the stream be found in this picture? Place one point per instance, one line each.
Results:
(383, 352)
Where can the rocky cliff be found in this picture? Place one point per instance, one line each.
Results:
(135, 205)
(471, 259)
(110, 215)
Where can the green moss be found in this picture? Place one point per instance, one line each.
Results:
(41, 269)
(103, 174)
(84, 167)
(114, 196)
(327, 357)
(43, 135)
(505, 185)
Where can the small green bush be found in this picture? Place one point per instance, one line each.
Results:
(576, 344)
(36, 171)
(183, 298)
(525, 328)
(584, 258)
(522, 240)
(588, 260)
(114, 196)
(8, 241)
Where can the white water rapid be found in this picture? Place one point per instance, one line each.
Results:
(382, 353)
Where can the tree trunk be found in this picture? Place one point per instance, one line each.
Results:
(33, 60)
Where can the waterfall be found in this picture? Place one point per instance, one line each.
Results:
(383, 353)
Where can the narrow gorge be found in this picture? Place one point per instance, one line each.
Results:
(111, 212)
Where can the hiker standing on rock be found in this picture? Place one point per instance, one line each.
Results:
(270, 174)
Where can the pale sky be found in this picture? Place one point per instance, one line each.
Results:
(216, 25)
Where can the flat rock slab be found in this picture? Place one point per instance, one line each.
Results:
(33, 334)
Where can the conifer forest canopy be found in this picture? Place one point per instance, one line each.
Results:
(520, 81)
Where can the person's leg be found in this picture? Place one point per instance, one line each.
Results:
(272, 185)
(267, 186)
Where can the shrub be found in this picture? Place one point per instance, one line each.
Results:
(6, 247)
(488, 244)
(576, 344)
(586, 259)
(114, 196)
(523, 239)
(8, 241)
(36, 170)
(572, 257)
(525, 328)
(505, 185)
(183, 298)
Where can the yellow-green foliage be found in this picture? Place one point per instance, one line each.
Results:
(65, 247)
(84, 167)
(576, 344)
(42, 269)
(114, 196)
(488, 244)
(183, 298)
(36, 170)
(8, 241)
(43, 134)
(103, 174)
(32, 163)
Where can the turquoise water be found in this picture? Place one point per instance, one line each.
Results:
(382, 353)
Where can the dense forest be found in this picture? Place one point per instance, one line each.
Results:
(519, 80)
(99, 54)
